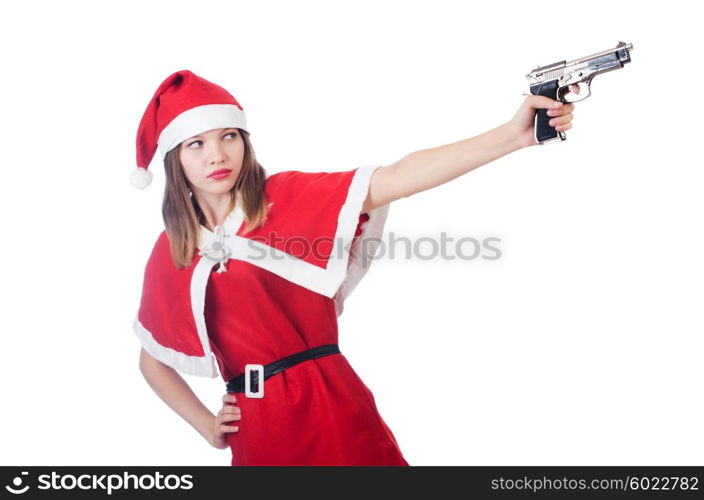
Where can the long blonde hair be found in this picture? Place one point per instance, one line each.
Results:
(183, 216)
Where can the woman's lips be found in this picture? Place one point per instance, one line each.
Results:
(220, 174)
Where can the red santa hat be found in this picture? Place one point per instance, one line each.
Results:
(184, 105)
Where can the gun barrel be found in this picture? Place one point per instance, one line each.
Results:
(557, 69)
(621, 50)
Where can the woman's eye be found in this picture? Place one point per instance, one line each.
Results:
(229, 133)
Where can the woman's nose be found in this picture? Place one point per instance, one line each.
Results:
(216, 154)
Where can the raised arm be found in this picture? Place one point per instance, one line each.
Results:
(428, 168)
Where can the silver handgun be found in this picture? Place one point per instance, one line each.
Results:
(554, 81)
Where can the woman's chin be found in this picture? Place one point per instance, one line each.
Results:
(217, 188)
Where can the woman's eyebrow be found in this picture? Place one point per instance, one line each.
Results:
(193, 137)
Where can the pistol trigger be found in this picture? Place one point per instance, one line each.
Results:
(566, 95)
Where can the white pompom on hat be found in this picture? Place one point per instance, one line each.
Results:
(184, 105)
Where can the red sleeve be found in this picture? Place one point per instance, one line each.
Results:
(314, 225)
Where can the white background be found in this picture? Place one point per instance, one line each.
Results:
(582, 345)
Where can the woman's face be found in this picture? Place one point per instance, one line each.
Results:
(208, 153)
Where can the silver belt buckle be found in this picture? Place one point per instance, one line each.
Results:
(259, 393)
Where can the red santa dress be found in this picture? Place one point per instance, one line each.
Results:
(279, 291)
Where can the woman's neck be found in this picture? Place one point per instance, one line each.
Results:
(215, 209)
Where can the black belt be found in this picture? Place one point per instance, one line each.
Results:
(237, 384)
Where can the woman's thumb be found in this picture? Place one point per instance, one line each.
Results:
(542, 102)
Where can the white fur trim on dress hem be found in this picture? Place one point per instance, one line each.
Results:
(201, 366)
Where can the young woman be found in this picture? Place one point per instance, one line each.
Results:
(252, 270)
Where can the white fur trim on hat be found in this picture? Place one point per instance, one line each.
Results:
(199, 119)
(141, 177)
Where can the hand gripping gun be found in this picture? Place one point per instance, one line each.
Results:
(554, 81)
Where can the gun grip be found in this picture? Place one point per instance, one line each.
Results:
(543, 131)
